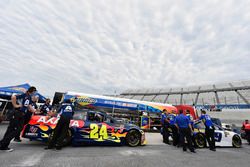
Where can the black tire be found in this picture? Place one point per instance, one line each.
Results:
(200, 140)
(236, 141)
(133, 138)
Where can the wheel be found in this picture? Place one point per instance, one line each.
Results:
(200, 140)
(236, 141)
(133, 138)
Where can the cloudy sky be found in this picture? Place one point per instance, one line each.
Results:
(99, 46)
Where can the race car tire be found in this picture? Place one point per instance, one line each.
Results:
(67, 139)
(200, 140)
(133, 138)
(236, 141)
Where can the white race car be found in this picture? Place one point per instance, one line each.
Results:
(223, 138)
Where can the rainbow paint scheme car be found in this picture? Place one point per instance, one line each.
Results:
(87, 128)
(106, 102)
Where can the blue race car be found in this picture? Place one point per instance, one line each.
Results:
(86, 128)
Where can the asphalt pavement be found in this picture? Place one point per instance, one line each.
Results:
(154, 154)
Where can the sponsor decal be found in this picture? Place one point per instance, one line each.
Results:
(33, 129)
(84, 100)
(54, 120)
(31, 134)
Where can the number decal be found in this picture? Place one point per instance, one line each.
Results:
(94, 132)
(26, 103)
(217, 136)
(103, 132)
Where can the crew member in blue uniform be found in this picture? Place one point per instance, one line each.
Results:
(66, 113)
(191, 119)
(209, 130)
(165, 126)
(184, 127)
(45, 108)
(21, 103)
(173, 127)
(28, 115)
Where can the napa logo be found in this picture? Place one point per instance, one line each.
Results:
(85, 100)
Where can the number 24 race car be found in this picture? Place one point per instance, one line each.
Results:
(86, 128)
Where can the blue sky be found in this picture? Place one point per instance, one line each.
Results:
(106, 45)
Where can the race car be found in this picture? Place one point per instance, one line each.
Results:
(223, 138)
(86, 128)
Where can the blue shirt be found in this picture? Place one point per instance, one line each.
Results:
(182, 121)
(66, 110)
(163, 118)
(45, 108)
(207, 120)
(190, 118)
(25, 100)
(172, 118)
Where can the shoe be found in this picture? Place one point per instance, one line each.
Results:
(7, 149)
(17, 140)
(48, 148)
(184, 149)
(58, 148)
(193, 151)
(213, 149)
(166, 142)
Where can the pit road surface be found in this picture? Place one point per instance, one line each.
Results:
(154, 154)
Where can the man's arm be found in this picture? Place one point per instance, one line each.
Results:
(14, 103)
(31, 109)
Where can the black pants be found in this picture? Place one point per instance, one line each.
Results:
(14, 128)
(185, 133)
(175, 135)
(27, 117)
(60, 132)
(166, 133)
(210, 137)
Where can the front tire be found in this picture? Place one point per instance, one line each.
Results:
(236, 141)
(133, 138)
(200, 140)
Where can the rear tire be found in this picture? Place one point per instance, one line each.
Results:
(200, 140)
(236, 141)
(133, 138)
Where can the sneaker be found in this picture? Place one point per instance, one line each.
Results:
(58, 148)
(7, 149)
(193, 151)
(17, 140)
(48, 148)
(213, 149)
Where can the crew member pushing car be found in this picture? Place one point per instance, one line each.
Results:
(165, 126)
(65, 113)
(45, 108)
(28, 115)
(209, 130)
(185, 130)
(173, 127)
(17, 121)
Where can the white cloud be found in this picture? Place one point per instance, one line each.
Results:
(102, 46)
